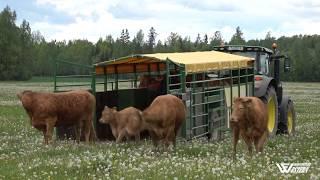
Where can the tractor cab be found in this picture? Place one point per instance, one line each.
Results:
(261, 55)
(268, 85)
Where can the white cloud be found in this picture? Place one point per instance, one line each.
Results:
(98, 18)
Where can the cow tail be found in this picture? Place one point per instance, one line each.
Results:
(93, 135)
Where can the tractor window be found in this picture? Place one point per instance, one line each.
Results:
(262, 61)
(264, 64)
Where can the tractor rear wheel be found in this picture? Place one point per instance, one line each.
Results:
(287, 117)
(270, 98)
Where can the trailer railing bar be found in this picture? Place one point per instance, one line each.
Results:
(210, 102)
(201, 126)
(177, 84)
(210, 91)
(200, 115)
(175, 75)
(200, 135)
(72, 76)
(71, 85)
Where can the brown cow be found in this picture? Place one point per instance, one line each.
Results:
(249, 119)
(127, 122)
(47, 110)
(153, 83)
(163, 118)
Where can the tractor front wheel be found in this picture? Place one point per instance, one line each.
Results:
(287, 117)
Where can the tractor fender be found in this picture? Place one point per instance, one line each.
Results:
(261, 86)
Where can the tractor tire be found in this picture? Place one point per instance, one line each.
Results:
(270, 99)
(287, 121)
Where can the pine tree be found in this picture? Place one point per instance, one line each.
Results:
(197, 43)
(151, 40)
(126, 37)
(216, 40)
(122, 36)
(237, 38)
(15, 46)
(138, 42)
(205, 39)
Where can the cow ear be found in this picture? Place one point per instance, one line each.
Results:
(234, 99)
(114, 107)
(19, 95)
(247, 102)
(237, 99)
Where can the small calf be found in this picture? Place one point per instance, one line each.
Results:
(124, 123)
(249, 119)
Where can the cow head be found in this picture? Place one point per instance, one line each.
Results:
(108, 115)
(144, 80)
(240, 109)
(26, 98)
(23, 93)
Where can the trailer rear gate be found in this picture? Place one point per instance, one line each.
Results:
(205, 81)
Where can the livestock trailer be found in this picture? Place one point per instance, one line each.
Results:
(206, 81)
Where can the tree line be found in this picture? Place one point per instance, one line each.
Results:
(24, 53)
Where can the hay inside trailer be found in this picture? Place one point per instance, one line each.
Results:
(205, 81)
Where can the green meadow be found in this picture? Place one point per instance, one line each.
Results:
(24, 156)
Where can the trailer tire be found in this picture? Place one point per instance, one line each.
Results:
(270, 99)
(287, 122)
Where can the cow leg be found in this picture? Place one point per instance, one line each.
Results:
(173, 140)
(120, 136)
(93, 135)
(236, 133)
(260, 142)
(87, 127)
(44, 131)
(127, 137)
(154, 138)
(50, 122)
(114, 132)
(77, 130)
(248, 141)
(171, 137)
(256, 142)
(45, 140)
(137, 137)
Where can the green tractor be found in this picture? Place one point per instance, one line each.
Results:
(268, 86)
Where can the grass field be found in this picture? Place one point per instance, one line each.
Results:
(23, 156)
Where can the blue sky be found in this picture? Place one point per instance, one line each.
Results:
(91, 19)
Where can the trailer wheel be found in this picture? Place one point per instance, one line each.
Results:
(270, 98)
(287, 117)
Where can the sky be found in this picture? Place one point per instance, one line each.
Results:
(92, 19)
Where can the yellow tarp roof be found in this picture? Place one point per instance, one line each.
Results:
(193, 61)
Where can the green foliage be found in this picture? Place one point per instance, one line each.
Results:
(104, 49)
(16, 47)
(138, 42)
(216, 40)
(237, 38)
(151, 40)
(24, 53)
